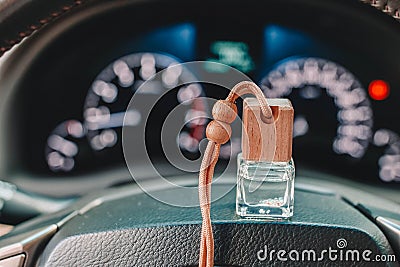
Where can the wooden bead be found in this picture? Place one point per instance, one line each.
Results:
(218, 131)
(224, 111)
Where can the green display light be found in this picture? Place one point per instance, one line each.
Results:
(235, 54)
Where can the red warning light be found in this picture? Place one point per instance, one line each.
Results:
(378, 90)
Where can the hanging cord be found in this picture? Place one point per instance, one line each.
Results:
(218, 132)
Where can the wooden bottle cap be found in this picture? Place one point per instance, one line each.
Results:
(267, 142)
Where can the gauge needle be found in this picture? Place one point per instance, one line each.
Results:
(113, 120)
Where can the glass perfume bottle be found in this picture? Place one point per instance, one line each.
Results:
(265, 189)
(266, 171)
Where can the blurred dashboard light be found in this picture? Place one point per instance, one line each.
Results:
(378, 90)
(235, 54)
(381, 137)
(124, 73)
(300, 126)
(187, 93)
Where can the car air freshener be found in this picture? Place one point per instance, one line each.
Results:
(268, 143)
(265, 177)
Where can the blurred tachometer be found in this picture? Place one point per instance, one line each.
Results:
(106, 103)
(311, 78)
(110, 93)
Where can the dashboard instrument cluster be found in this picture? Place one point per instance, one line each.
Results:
(343, 80)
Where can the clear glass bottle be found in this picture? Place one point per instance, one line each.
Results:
(265, 189)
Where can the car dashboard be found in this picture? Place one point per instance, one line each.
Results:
(82, 84)
(339, 69)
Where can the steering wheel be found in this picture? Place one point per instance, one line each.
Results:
(125, 226)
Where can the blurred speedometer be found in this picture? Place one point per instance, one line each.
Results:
(310, 82)
(105, 107)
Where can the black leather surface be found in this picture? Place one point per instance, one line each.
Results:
(139, 231)
(20, 18)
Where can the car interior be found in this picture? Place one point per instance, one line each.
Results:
(103, 113)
